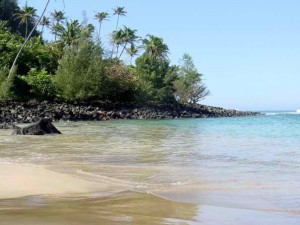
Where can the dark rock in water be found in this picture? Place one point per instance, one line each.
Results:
(43, 127)
(7, 126)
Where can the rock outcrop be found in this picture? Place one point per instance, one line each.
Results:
(29, 112)
(43, 127)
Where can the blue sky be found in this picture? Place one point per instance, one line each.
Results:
(248, 50)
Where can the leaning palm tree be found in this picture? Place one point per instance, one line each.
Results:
(45, 22)
(58, 17)
(26, 15)
(119, 11)
(155, 47)
(11, 71)
(101, 16)
(129, 37)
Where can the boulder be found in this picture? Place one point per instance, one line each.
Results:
(43, 127)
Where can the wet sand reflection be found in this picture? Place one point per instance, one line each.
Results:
(123, 208)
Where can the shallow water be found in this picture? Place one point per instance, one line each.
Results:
(246, 167)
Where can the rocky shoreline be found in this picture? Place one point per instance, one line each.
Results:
(28, 112)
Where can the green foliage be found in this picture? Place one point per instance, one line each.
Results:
(155, 47)
(6, 85)
(35, 55)
(27, 16)
(13, 87)
(73, 32)
(41, 85)
(154, 73)
(189, 86)
(9, 45)
(155, 79)
(119, 11)
(121, 84)
(80, 73)
(58, 18)
(101, 16)
(123, 37)
(81, 70)
(70, 33)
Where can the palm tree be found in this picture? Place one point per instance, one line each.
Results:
(87, 30)
(58, 17)
(101, 16)
(155, 47)
(119, 11)
(117, 39)
(26, 15)
(132, 51)
(129, 37)
(70, 33)
(44, 22)
(25, 42)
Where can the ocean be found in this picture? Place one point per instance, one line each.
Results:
(187, 171)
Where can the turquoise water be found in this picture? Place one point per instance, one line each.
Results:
(243, 163)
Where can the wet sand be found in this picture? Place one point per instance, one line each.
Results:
(60, 199)
(18, 180)
(127, 208)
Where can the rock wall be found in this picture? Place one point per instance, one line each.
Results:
(28, 112)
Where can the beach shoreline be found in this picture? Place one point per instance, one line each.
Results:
(32, 193)
(51, 197)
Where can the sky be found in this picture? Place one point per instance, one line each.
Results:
(247, 50)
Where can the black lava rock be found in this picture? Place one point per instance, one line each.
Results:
(43, 127)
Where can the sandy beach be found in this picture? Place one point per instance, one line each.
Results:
(18, 180)
(33, 195)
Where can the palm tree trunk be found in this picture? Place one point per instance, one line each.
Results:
(117, 51)
(112, 51)
(123, 50)
(26, 40)
(117, 22)
(54, 35)
(100, 29)
(26, 31)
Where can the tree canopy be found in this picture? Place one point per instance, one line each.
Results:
(76, 66)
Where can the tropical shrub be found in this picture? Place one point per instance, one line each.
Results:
(38, 55)
(41, 85)
(155, 79)
(80, 74)
(11, 87)
(189, 86)
(120, 84)
(9, 45)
